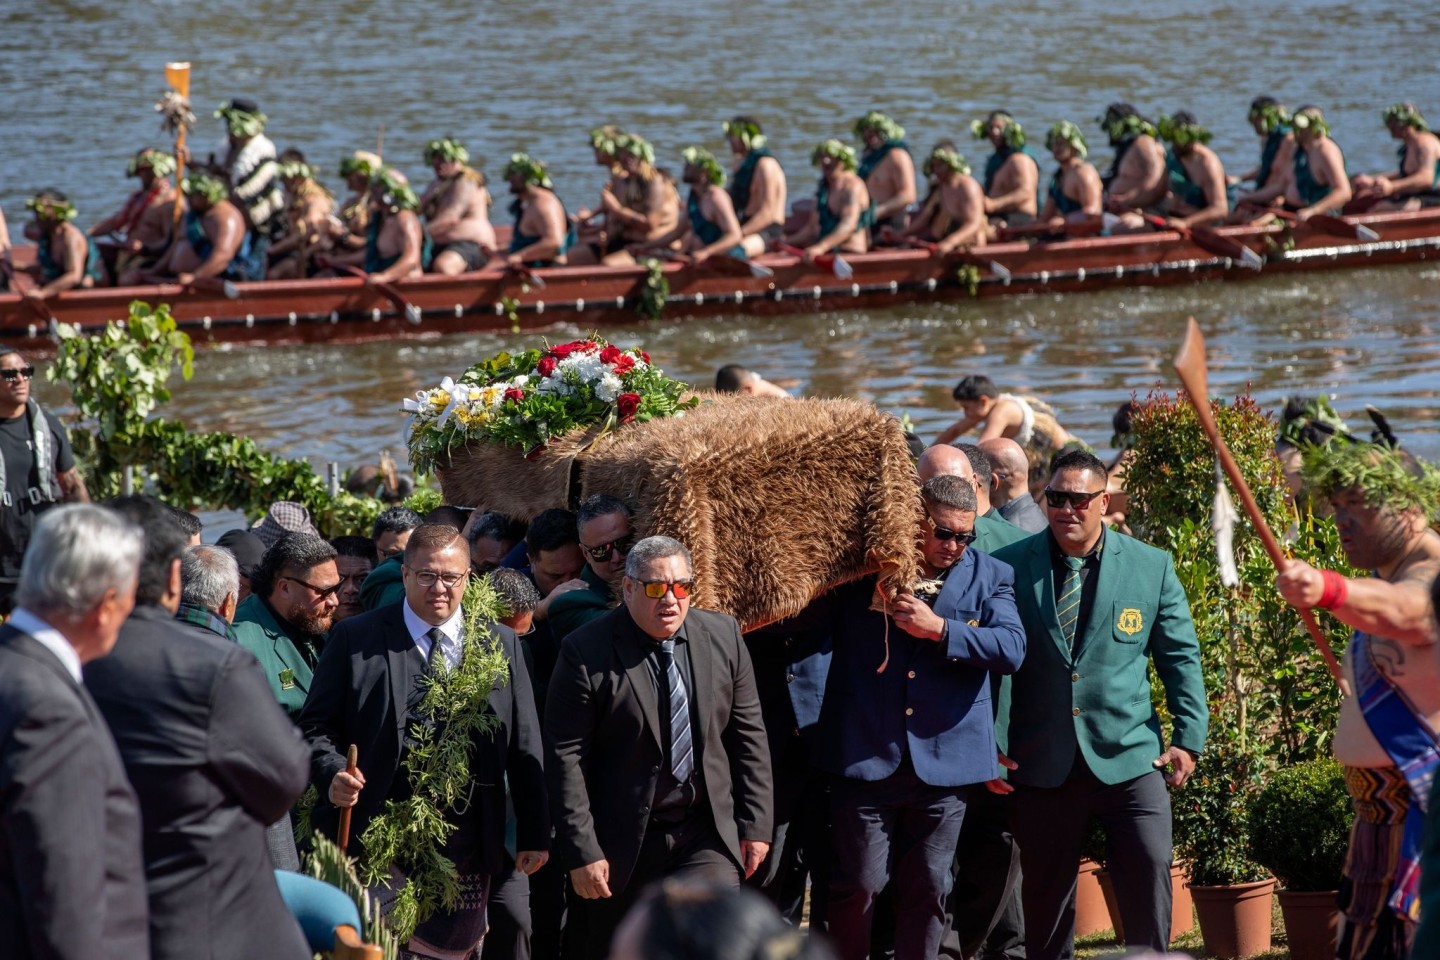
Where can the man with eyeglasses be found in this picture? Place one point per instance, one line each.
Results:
(1077, 723)
(657, 759)
(37, 469)
(603, 524)
(906, 725)
(391, 651)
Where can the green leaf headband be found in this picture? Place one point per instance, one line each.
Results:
(531, 170)
(241, 123)
(881, 124)
(949, 158)
(636, 146)
(160, 164)
(296, 170)
(1271, 117)
(704, 160)
(1125, 128)
(362, 162)
(1182, 134)
(395, 193)
(1311, 119)
(746, 131)
(1014, 133)
(448, 149)
(1067, 132)
(606, 139)
(1385, 476)
(48, 208)
(213, 189)
(1407, 114)
(836, 150)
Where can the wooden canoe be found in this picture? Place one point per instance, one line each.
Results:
(345, 310)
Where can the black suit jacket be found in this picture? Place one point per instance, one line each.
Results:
(72, 881)
(358, 696)
(213, 759)
(602, 723)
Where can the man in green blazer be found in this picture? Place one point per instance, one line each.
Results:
(1099, 609)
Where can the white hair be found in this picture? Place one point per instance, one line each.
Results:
(208, 575)
(77, 553)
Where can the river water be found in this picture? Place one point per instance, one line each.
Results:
(78, 79)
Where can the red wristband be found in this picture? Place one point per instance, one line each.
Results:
(1335, 590)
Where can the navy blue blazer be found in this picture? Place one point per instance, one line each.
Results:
(934, 698)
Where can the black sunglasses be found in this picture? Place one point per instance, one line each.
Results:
(15, 373)
(324, 593)
(1077, 499)
(606, 550)
(945, 533)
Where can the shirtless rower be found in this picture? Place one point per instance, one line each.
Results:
(930, 221)
(308, 216)
(1012, 173)
(710, 226)
(887, 169)
(1271, 122)
(396, 246)
(646, 209)
(542, 233)
(1195, 174)
(354, 219)
(1384, 501)
(843, 212)
(997, 414)
(961, 202)
(591, 226)
(141, 228)
(66, 259)
(1075, 192)
(1136, 181)
(1415, 181)
(1316, 182)
(213, 239)
(456, 207)
(758, 186)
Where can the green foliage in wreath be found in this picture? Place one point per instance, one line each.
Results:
(654, 292)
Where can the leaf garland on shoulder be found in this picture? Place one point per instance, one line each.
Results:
(410, 835)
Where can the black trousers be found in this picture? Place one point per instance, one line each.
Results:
(983, 915)
(691, 849)
(548, 920)
(509, 913)
(800, 851)
(1050, 825)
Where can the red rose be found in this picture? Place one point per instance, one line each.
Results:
(610, 354)
(623, 364)
(644, 356)
(626, 404)
(516, 394)
(562, 350)
(546, 366)
(586, 346)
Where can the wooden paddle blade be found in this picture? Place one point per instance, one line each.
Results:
(1226, 247)
(759, 269)
(412, 314)
(1190, 364)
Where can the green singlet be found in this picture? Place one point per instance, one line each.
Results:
(50, 269)
(871, 158)
(1063, 204)
(829, 221)
(744, 177)
(1187, 191)
(519, 241)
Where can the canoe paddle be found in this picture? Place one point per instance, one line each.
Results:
(396, 298)
(1190, 364)
(1089, 227)
(1330, 224)
(526, 275)
(719, 263)
(22, 283)
(219, 285)
(833, 262)
(964, 256)
(1209, 240)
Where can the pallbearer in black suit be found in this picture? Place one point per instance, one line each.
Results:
(367, 691)
(72, 881)
(659, 764)
(213, 759)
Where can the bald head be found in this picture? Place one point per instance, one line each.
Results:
(943, 460)
(1011, 468)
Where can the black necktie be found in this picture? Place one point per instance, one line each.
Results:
(682, 748)
(437, 661)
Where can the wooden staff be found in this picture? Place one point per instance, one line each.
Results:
(342, 836)
(1190, 364)
(178, 76)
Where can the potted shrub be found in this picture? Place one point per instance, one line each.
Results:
(1232, 892)
(1299, 829)
(1091, 915)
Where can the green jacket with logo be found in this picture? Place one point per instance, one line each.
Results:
(285, 668)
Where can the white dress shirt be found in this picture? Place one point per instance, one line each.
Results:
(49, 638)
(451, 629)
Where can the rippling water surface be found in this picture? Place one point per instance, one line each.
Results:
(78, 80)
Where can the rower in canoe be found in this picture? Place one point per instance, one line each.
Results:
(1012, 173)
(757, 189)
(710, 227)
(887, 169)
(842, 214)
(395, 244)
(1075, 192)
(1271, 122)
(141, 227)
(214, 239)
(354, 220)
(66, 259)
(647, 208)
(930, 222)
(1316, 182)
(1136, 183)
(593, 226)
(1196, 176)
(542, 232)
(1415, 181)
(308, 214)
(456, 208)
(961, 202)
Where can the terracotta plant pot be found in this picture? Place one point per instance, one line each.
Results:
(1112, 904)
(1235, 919)
(1312, 923)
(1182, 915)
(1090, 913)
